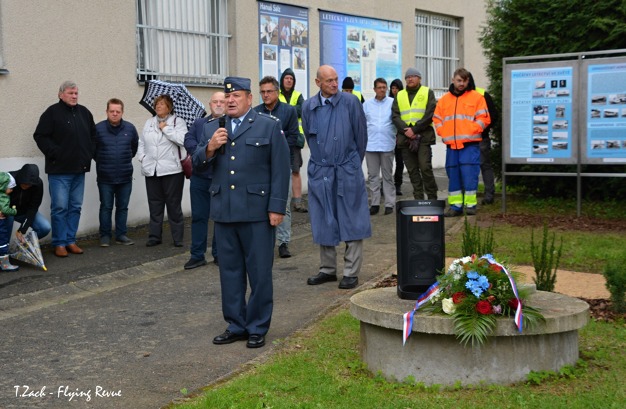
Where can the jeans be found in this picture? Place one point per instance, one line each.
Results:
(5, 235)
(66, 200)
(283, 231)
(120, 193)
(200, 211)
(40, 225)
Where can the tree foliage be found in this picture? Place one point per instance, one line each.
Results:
(518, 28)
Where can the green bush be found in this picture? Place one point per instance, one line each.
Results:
(545, 260)
(615, 275)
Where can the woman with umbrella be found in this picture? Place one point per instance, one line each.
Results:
(159, 146)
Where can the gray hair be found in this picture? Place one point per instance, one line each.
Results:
(66, 85)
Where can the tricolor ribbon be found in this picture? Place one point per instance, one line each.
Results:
(407, 318)
(518, 311)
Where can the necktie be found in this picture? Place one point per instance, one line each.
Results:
(237, 122)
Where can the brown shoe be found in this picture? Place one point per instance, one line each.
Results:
(74, 249)
(60, 251)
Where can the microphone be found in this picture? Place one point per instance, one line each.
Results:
(222, 124)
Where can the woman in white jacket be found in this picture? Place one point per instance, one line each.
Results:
(159, 144)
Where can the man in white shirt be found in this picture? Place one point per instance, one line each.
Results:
(381, 141)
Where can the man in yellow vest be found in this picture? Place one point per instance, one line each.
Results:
(412, 113)
(348, 86)
(290, 96)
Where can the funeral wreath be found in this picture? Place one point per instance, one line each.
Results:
(476, 292)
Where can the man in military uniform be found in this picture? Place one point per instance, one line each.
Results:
(250, 161)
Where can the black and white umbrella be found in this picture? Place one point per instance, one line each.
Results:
(186, 106)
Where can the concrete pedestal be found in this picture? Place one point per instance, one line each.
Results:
(433, 354)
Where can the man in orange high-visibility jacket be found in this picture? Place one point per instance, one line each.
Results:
(460, 118)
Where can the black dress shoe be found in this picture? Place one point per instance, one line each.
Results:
(321, 278)
(228, 337)
(374, 210)
(194, 262)
(178, 244)
(398, 191)
(347, 283)
(255, 341)
(283, 251)
(388, 210)
(153, 242)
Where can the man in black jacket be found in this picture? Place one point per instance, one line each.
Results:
(26, 197)
(66, 135)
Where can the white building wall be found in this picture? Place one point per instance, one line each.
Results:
(45, 42)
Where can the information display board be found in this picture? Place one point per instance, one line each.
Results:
(361, 48)
(604, 94)
(541, 107)
(284, 42)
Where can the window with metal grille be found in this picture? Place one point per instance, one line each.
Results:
(182, 41)
(436, 50)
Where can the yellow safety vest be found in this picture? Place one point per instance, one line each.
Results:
(293, 102)
(357, 94)
(481, 91)
(413, 112)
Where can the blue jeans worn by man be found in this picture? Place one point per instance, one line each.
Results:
(200, 210)
(66, 200)
(118, 194)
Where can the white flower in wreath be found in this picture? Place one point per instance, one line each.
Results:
(448, 306)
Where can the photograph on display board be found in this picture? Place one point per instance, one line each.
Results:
(283, 42)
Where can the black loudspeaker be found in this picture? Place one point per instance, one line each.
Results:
(420, 234)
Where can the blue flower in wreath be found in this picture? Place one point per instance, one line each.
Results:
(476, 283)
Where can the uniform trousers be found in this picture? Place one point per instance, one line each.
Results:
(353, 259)
(246, 252)
(165, 191)
(463, 168)
(419, 166)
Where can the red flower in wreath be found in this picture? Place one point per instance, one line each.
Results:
(484, 307)
(458, 297)
(513, 303)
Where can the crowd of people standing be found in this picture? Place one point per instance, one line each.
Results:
(246, 174)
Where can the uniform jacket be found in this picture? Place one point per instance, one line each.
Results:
(66, 135)
(337, 136)
(461, 119)
(116, 147)
(251, 177)
(27, 201)
(423, 126)
(158, 151)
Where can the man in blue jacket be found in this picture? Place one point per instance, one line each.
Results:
(289, 124)
(116, 146)
(199, 188)
(250, 161)
(336, 132)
